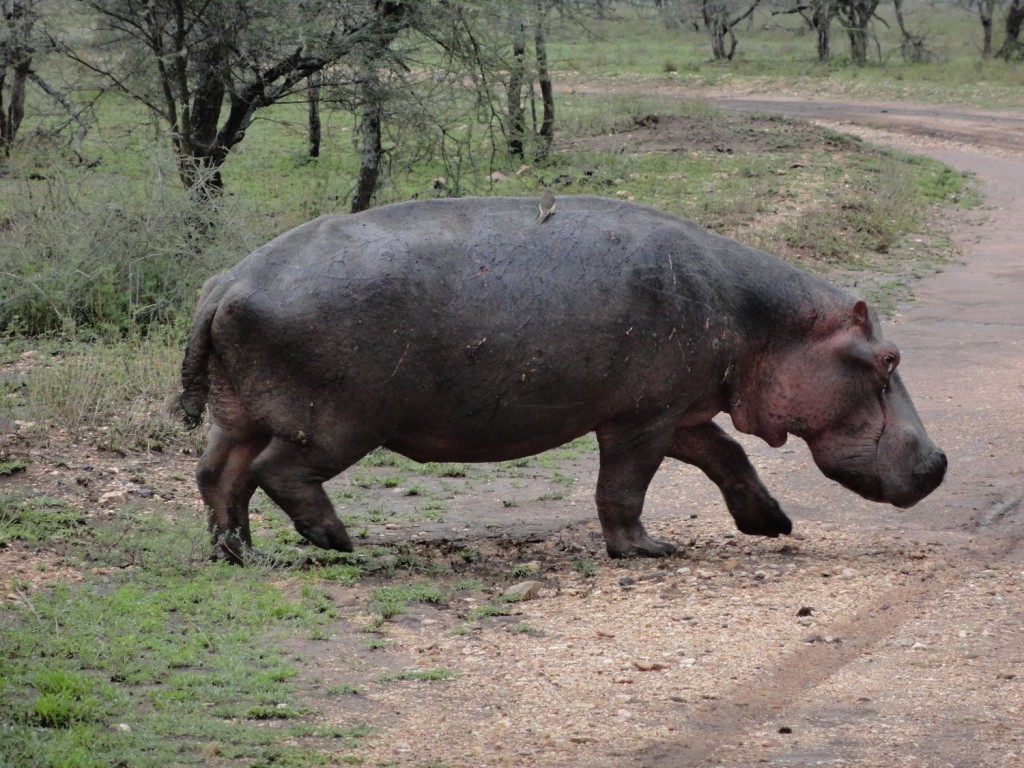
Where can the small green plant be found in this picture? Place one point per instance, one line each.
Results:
(553, 496)
(585, 566)
(344, 689)
(392, 600)
(419, 675)
(488, 610)
(8, 468)
(38, 519)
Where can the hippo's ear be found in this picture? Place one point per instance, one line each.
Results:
(862, 316)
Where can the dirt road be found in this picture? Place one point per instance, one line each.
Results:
(888, 696)
(874, 637)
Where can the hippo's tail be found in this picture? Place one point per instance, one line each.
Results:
(195, 377)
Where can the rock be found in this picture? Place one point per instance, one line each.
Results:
(524, 590)
(113, 497)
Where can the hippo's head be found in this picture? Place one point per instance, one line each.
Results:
(839, 390)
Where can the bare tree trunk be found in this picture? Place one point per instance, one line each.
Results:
(857, 16)
(516, 84)
(17, 55)
(912, 46)
(313, 102)
(985, 10)
(374, 97)
(370, 150)
(822, 20)
(546, 134)
(714, 23)
(718, 24)
(1014, 20)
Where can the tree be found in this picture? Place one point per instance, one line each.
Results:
(519, 82)
(17, 50)
(1012, 47)
(23, 38)
(985, 10)
(912, 46)
(717, 21)
(204, 67)
(547, 93)
(856, 15)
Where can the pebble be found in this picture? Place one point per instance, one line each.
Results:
(646, 665)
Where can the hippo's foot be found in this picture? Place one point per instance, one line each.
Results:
(232, 547)
(757, 513)
(639, 546)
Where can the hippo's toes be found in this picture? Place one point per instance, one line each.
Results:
(329, 535)
(641, 547)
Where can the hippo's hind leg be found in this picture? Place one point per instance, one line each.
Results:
(629, 460)
(723, 460)
(226, 485)
(293, 475)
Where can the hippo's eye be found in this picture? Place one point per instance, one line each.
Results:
(890, 363)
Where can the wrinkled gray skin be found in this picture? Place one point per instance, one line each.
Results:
(465, 330)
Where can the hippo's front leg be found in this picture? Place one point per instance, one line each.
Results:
(629, 460)
(723, 460)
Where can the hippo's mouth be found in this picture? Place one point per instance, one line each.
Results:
(883, 478)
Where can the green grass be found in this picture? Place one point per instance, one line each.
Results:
(392, 600)
(160, 656)
(151, 669)
(37, 520)
(777, 54)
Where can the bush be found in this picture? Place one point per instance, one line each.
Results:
(99, 256)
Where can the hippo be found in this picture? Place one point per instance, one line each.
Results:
(473, 330)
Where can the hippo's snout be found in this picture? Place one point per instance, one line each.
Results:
(910, 465)
(923, 480)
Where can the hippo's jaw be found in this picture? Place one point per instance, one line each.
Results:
(893, 461)
(880, 483)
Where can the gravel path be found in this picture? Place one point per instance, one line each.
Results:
(874, 637)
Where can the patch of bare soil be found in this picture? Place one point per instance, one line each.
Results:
(872, 637)
(734, 132)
